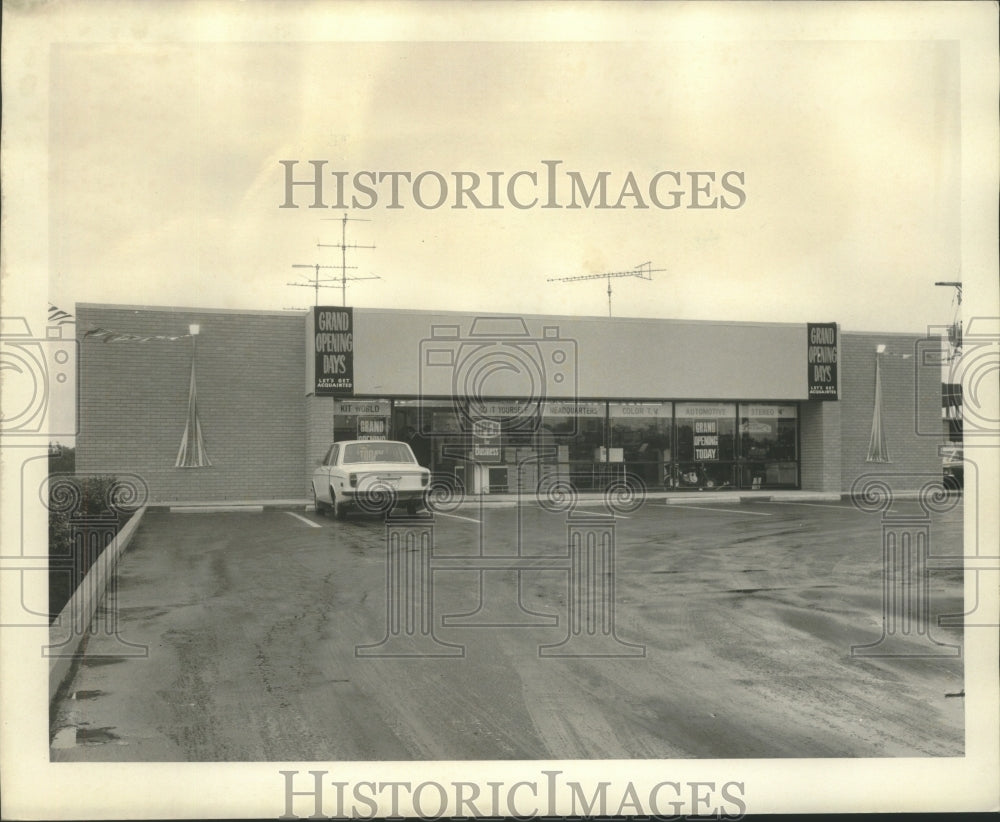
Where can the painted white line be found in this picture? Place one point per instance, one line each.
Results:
(724, 510)
(308, 522)
(455, 516)
(216, 509)
(813, 504)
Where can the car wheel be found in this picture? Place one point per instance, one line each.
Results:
(339, 510)
(320, 505)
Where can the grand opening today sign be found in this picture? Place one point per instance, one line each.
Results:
(822, 356)
(332, 349)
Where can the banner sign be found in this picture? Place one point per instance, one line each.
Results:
(706, 440)
(486, 441)
(822, 360)
(333, 341)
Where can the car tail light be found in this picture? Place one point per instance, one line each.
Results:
(425, 478)
(353, 479)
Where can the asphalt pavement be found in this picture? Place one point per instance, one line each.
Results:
(733, 630)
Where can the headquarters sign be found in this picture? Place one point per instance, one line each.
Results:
(822, 356)
(332, 349)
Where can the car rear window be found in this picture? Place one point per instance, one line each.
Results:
(377, 452)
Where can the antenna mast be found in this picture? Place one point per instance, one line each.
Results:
(343, 246)
(315, 282)
(644, 271)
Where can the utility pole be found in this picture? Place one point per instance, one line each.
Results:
(955, 331)
(644, 271)
(343, 246)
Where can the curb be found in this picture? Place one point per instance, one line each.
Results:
(82, 606)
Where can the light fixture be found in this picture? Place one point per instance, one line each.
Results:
(194, 328)
(879, 350)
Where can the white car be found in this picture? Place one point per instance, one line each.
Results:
(370, 475)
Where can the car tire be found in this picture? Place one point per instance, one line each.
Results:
(339, 510)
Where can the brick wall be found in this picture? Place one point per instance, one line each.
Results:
(820, 446)
(904, 397)
(133, 401)
(319, 432)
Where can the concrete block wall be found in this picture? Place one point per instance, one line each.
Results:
(133, 399)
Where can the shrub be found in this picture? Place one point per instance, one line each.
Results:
(74, 544)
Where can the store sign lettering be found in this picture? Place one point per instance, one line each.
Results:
(706, 440)
(573, 409)
(639, 410)
(333, 339)
(371, 428)
(486, 440)
(371, 408)
(822, 356)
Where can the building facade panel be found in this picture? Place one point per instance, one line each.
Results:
(619, 358)
(672, 404)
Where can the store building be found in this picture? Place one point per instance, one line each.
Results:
(244, 408)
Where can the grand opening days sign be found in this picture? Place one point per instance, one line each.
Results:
(822, 360)
(333, 347)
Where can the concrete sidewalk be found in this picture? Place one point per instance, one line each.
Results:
(728, 497)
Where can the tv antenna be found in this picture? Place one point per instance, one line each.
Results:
(315, 283)
(644, 271)
(343, 246)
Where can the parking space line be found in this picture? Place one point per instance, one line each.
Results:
(726, 510)
(811, 504)
(456, 516)
(308, 522)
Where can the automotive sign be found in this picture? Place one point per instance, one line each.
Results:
(822, 355)
(333, 340)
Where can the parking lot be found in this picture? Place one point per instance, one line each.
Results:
(733, 633)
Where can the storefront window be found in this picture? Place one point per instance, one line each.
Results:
(768, 437)
(706, 454)
(427, 426)
(644, 433)
(360, 420)
(576, 431)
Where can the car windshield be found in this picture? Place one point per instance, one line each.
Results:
(376, 451)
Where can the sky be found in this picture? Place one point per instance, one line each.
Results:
(165, 175)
